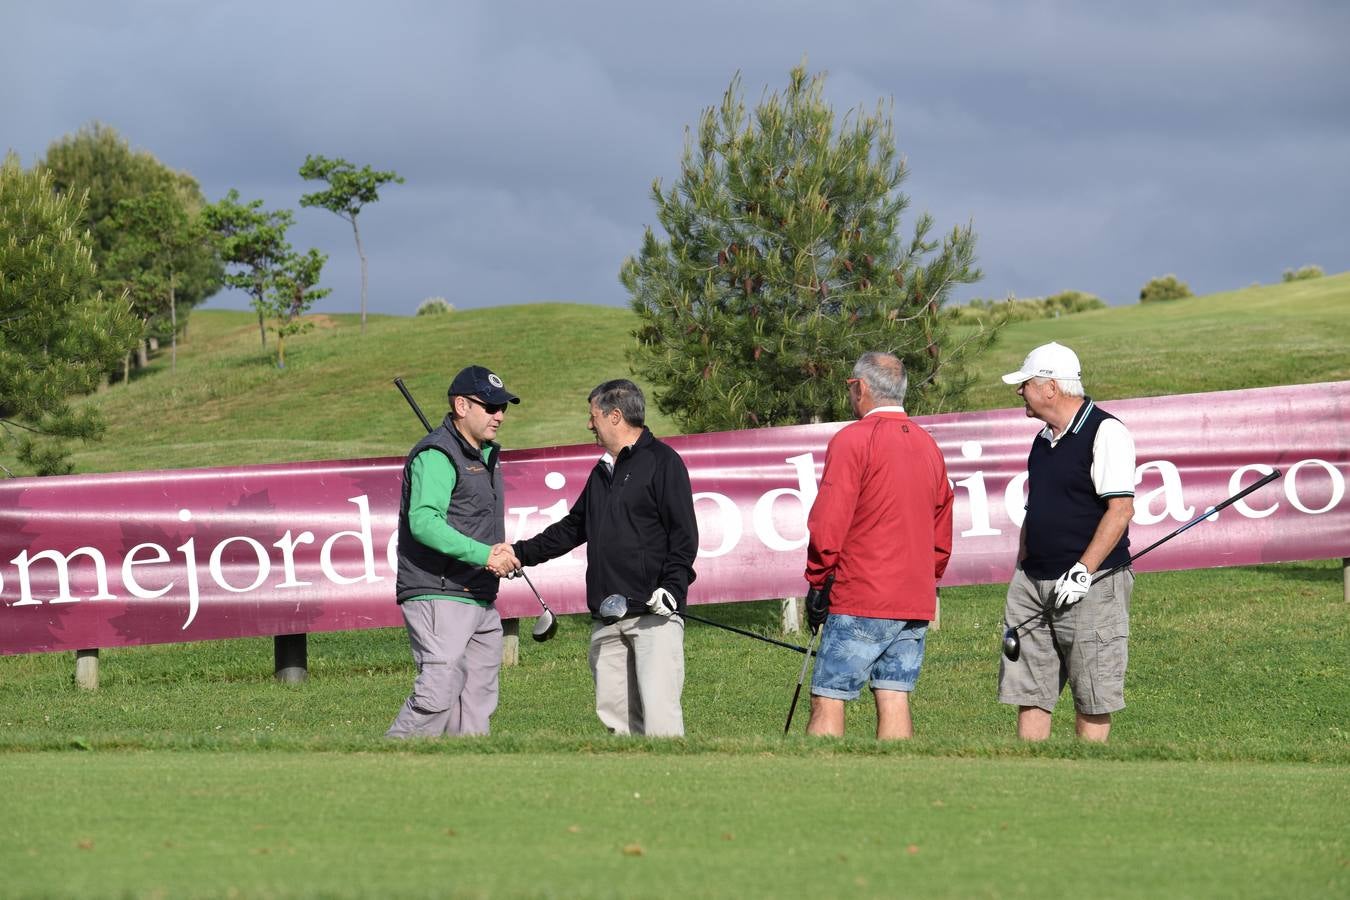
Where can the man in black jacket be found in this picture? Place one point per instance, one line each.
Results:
(636, 516)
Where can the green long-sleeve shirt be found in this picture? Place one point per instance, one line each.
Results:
(433, 481)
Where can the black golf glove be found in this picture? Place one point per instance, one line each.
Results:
(817, 607)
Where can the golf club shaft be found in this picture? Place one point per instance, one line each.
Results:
(536, 591)
(398, 382)
(801, 679)
(1275, 473)
(749, 634)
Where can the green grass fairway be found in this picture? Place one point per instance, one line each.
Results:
(624, 825)
(191, 772)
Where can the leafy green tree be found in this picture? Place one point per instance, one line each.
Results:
(783, 263)
(98, 163)
(59, 334)
(435, 306)
(293, 290)
(1165, 287)
(252, 243)
(349, 189)
(162, 243)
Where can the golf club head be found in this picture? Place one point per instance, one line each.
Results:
(613, 608)
(1012, 644)
(545, 627)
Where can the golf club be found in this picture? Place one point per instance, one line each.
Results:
(1012, 642)
(801, 677)
(546, 625)
(615, 607)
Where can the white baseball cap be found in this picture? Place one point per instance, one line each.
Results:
(1047, 361)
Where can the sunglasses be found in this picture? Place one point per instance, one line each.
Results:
(490, 408)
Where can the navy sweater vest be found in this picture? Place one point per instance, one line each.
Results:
(1063, 509)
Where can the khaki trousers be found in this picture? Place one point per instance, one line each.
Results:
(638, 667)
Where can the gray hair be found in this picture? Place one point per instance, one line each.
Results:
(623, 395)
(1069, 387)
(884, 375)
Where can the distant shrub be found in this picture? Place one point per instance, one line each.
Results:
(1000, 312)
(1168, 287)
(435, 306)
(1303, 274)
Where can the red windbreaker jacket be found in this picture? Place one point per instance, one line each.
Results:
(882, 520)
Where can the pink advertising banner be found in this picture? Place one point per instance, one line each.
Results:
(152, 557)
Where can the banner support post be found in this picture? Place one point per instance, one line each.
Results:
(290, 654)
(86, 669)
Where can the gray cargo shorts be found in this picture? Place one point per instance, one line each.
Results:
(1089, 648)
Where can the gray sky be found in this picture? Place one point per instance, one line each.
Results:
(1094, 145)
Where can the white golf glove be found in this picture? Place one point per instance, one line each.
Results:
(1072, 586)
(662, 603)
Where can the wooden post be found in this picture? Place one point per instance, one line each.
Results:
(510, 642)
(936, 624)
(290, 654)
(86, 669)
(1345, 576)
(791, 615)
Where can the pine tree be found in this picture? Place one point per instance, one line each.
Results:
(783, 264)
(58, 334)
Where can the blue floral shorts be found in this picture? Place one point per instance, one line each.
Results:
(855, 650)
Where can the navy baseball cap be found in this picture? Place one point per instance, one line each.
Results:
(482, 383)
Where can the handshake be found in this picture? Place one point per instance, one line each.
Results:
(502, 561)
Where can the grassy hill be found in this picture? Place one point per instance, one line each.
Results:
(227, 404)
(1256, 337)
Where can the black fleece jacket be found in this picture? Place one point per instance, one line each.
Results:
(638, 524)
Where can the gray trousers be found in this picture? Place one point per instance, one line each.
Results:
(458, 651)
(638, 667)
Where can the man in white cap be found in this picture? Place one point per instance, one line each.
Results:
(1080, 499)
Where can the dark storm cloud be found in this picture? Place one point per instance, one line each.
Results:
(1093, 145)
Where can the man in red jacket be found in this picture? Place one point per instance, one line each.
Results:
(882, 525)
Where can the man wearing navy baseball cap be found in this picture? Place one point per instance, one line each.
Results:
(451, 553)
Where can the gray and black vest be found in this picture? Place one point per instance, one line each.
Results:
(476, 509)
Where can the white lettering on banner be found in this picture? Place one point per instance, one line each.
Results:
(554, 481)
(62, 563)
(979, 500)
(516, 517)
(1015, 498)
(762, 518)
(264, 564)
(728, 516)
(1291, 486)
(189, 550)
(1235, 485)
(287, 547)
(367, 548)
(1173, 504)
(1312, 487)
(129, 577)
